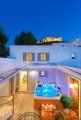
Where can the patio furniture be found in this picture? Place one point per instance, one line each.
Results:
(47, 113)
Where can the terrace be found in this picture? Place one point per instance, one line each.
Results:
(23, 106)
(24, 100)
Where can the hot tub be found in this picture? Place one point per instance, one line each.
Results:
(46, 94)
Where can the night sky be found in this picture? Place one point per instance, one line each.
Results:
(56, 18)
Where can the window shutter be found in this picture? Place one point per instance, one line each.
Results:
(47, 56)
(24, 56)
(33, 56)
(38, 57)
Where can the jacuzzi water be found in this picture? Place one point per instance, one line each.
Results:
(46, 90)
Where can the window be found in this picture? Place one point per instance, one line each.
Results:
(28, 56)
(43, 73)
(43, 56)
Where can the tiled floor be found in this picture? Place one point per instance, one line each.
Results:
(24, 103)
(23, 86)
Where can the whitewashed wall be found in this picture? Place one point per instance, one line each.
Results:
(7, 64)
(80, 100)
(4, 90)
(63, 80)
(34, 76)
(58, 54)
(69, 44)
(53, 76)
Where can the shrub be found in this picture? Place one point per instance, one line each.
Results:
(66, 101)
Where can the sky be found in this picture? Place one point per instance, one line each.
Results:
(44, 18)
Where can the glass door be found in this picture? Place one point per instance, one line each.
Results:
(23, 81)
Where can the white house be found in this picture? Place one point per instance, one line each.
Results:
(55, 64)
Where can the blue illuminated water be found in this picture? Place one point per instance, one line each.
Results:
(46, 90)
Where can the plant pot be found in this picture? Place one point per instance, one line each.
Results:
(67, 111)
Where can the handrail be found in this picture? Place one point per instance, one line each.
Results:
(5, 103)
(9, 101)
(6, 95)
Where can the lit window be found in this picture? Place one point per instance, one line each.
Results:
(43, 56)
(28, 56)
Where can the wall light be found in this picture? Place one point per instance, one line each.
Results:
(75, 85)
(71, 85)
(33, 73)
(73, 55)
(42, 73)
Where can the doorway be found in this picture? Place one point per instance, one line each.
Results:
(23, 81)
(75, 94)
(11, 85)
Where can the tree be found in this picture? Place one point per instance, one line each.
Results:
(25, 38)
(3, 37)
(66, 101)
(3, 41)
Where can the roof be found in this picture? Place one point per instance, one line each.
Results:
(7, 75)
(43, 64)
(10, 67)
(75, 72)
(7, 64)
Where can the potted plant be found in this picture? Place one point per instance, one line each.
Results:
(67, 103)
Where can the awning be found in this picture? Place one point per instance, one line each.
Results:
(7, 75)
